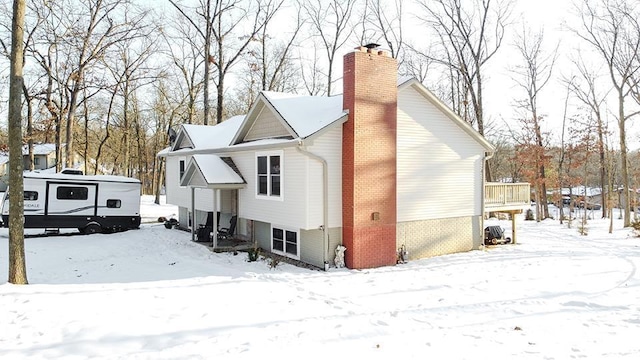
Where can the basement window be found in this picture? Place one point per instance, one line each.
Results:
(285, 241)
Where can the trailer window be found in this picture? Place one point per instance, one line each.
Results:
(72, 193)
(114, 203)
(31, 195)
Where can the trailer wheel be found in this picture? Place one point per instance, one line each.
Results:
(92, 229)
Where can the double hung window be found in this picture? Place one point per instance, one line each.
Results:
(269, 175)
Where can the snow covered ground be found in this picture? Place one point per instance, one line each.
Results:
(153, 294)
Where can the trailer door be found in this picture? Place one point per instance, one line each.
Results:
(71, 199)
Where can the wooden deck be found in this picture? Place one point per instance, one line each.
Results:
(506, 197)
(510, 198)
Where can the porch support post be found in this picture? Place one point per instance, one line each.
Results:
(513, 227)
(215, 219)
(193, 214)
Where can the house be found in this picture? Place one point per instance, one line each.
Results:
(44, 158)
(386, 165)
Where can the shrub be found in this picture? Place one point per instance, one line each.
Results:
(635, 224)
(253, 254)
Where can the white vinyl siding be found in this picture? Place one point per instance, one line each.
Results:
(181, 195)
(291, 211)
(267, 125)
(329, 147)
(439, 165)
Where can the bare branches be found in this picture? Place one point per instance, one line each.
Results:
(332, 22)
(470, 35)
(611, 29)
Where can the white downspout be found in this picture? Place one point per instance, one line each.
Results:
(193, 214)
(325, 201)
(214, 237)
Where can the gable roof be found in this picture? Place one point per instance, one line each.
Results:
(421, 89)
(207, 137)
(300, 115)
(295, 117)
(212, 171)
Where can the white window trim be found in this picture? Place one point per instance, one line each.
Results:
(279, 153)
(284, 253)
(181, 159)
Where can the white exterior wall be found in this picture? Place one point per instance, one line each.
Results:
(439, 165)
(181, 195)
(302, 198)
(288, 211)
(329, 147)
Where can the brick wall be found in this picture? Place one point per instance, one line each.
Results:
(369, 159)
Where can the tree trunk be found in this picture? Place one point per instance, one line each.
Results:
(623, 160)
(603, 164)
(220, 100)
(17, 262)
(73, 104)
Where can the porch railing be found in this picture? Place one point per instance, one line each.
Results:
(506, 196)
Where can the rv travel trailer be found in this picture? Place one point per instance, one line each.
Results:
(90, 203)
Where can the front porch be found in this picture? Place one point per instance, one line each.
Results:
(510, 198)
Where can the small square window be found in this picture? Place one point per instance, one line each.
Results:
(31, 195)
(114, 203)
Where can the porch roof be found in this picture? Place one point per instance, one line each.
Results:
(212, 171)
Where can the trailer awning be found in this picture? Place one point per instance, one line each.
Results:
(213, 172)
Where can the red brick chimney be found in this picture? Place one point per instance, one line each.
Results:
(369, 158)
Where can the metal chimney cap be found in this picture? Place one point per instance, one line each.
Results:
(372, 45)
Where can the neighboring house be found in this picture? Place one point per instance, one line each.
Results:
(4, 171)
(44, 158)
(385, 165)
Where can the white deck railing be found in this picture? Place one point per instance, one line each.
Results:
(506, 196)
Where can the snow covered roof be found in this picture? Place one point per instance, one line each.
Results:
(208, 137)
(206, 170)
(581, 190)
(306, 115)
(49, 175)
(299, 117)
(40, 149)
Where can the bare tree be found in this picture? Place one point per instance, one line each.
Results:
(270, 63)
(611, 28)
(184, 53)
(470, 33)
(584, 88)
(382, 21)
(532, 75)
(331, 21)
(131, 71)
(17, 262)
(222, 20)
